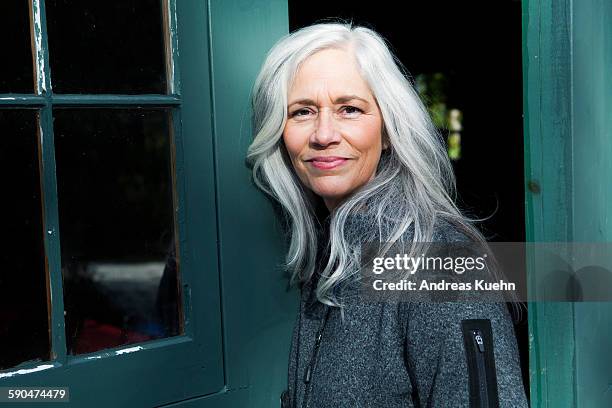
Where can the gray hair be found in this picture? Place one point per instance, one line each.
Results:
(414, 183)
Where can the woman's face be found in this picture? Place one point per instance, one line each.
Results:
(334, 127)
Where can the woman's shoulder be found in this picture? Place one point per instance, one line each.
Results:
(444, 228)
(447, 229)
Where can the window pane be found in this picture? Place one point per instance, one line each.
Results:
(115, 189)
(113, 46)
(16, 69)
(24, 321)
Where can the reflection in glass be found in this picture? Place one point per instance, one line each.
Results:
(115, 192)
(24, 321)
(113, 46)
(16, 69)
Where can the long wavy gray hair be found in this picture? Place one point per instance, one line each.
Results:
(414, 181)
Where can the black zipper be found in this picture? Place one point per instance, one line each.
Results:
(478, 341)
(480, 364)
(313, 359)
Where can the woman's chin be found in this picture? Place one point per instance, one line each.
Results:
(330, 196)
(329, 192)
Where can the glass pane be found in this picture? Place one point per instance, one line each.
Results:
(24, 321)
(114, 175)
(16, 69)
(113, 46)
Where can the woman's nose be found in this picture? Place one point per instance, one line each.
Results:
(325, 132)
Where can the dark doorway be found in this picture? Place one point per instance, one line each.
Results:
(468, 57)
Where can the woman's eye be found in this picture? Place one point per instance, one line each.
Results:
(300, 112)
(351, 110)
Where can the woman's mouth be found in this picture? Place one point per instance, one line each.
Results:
(327, 163)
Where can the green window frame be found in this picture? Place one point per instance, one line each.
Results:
(165, 370)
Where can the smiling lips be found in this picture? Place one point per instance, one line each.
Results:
(327, 163)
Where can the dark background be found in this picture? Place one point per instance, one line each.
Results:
(478, 49)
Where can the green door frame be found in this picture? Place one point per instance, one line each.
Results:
(547, 133)
(567, 58)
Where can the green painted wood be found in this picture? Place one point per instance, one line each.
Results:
(258, 311)
(169, 370)
(226, 398)
(172, 49)
(592, 119)
(115, 100)
(568, 100)
(49, 189)
(592, 149)
(89, 100)
(548, 165)
(7, 100)
(40, 47)
(52, 237)
(143, 378)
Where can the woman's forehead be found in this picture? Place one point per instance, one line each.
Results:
(331, 61)
(329, 73)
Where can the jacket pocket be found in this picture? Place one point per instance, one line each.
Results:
(478, 341)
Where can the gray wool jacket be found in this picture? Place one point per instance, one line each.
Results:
(404, 354)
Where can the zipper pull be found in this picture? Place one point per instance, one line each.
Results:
(308, 374)
(479, 340)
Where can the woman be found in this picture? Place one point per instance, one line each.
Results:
(345, 146)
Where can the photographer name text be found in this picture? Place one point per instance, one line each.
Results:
(424, 285)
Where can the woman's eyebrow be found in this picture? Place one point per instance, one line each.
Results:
(338, 100)
(348, 98)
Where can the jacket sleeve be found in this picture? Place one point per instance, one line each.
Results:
(462, 354)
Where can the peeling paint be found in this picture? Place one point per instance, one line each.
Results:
(173, 37)
(26, 371)
(128, 350)
(40, 60)
(41, 133)
(170, 24)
